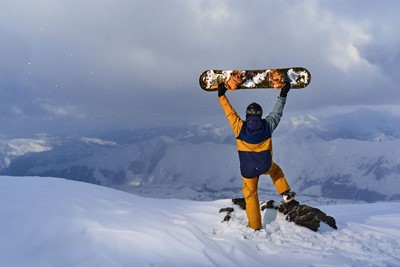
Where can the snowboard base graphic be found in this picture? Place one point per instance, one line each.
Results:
(255, 79)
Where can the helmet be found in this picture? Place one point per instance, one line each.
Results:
(254, 109)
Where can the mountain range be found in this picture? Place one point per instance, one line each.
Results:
(349, 156)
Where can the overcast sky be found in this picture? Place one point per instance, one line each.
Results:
(70, 66)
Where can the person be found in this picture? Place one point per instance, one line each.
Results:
(254, 144)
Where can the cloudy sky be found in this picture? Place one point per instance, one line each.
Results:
(72, 66)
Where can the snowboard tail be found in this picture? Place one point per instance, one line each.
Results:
(254, 79)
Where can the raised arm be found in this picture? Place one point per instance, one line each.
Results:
(274, 117)
(233, 118)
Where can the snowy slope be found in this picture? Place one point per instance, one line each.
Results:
(57, 222)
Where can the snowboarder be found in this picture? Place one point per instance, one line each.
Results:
(254, 144)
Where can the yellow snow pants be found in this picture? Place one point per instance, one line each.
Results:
(250, 193)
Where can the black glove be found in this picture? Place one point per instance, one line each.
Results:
(221, 89)
(285, 89)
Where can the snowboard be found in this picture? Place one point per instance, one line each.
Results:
(254, 79)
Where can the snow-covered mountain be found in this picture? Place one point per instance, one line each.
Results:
(47, 222)
(351, 156)
(11, 149)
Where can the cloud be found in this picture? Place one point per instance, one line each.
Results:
(62, 111)
(130, 63)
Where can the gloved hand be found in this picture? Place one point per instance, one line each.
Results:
(285, 89)
(221, 89)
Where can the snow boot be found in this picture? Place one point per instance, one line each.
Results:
(288, 196)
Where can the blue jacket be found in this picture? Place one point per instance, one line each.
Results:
(253, 137)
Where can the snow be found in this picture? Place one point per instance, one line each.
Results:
(98, 141)
(12, 148)
(58, 222)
